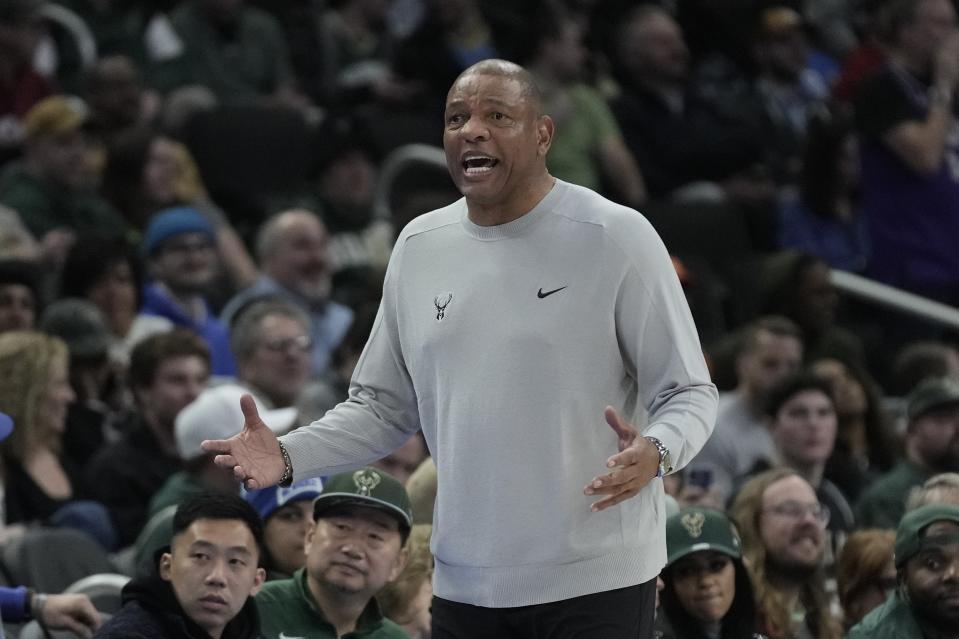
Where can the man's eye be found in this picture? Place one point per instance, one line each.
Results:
(456, 118)
(202, 556)
(237, 562)
(496, 115)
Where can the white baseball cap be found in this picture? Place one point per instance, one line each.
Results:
(216, 414)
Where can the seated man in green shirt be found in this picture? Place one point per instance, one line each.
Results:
(926, 602)
(355, 547)
(931, 447)
(52, 187)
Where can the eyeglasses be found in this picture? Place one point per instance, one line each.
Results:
(300, 343)
(181, 248)
(796, 511)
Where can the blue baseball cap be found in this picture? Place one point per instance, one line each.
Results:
(6, 426)
(266, 501)
(175, 221)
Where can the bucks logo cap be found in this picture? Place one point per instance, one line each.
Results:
(368, 487)
(694, 529)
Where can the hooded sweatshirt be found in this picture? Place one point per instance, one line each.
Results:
(151, 611)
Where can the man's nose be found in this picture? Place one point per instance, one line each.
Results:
(217, 574)
(475, 129)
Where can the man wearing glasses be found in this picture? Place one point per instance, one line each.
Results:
(783, 528)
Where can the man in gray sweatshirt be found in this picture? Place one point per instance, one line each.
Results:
(513, 323)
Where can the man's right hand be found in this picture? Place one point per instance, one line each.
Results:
(253, 454)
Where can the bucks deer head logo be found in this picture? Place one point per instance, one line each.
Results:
(366, 480)
(441, 302)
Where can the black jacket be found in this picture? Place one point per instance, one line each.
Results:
(151, 611)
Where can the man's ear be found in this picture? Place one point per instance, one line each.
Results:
(166, 564)
(309, 538)
(399, 564)
(544, 129)
(258, 580)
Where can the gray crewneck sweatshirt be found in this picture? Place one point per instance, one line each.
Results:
(505, 344)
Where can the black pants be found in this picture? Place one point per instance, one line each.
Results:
(626, 613)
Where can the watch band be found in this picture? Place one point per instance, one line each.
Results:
(665, 465)
(287, 478)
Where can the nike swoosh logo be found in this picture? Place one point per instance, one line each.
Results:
(541, 294)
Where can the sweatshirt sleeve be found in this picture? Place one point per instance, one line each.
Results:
(13, 604)
(661, 346)
(380, 413)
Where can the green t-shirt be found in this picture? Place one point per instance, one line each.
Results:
(891, 620)
(583, 125)
(883, 504)
(44, 207)
(287, 608)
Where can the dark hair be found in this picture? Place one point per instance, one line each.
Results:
(127, 158)
(22, 273)
(892, 16)
(917, 361)
(738, 623)
(154, 350)
(89, 261)
(879, 440)
(210, 505)
(792, 386)
(547, 26)
(820, 184)
(773, 324)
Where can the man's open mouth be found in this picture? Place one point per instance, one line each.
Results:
(478, 164)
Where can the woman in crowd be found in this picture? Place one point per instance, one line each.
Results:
(107, 273)
(865, 573)
(287, 515)
(407, 600)
(823, 219)
(147, 172)
(707, 591)
(864, 447)
(38, 486)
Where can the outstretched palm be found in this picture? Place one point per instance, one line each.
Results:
(253, 454)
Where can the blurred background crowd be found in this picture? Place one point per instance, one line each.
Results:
(198, 199)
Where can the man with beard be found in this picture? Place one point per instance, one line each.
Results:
(770, 349)
(926, 603)
(180, 245)
(783, 529)
(355, 547)
(293, 252)
(932, 446)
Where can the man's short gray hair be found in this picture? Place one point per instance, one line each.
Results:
(245, 332)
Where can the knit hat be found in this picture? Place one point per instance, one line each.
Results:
(216, 414)
(175, 221)
(694, 529)
(932, 394)
(54, 116)
(909, 540)
(80, 324)
(268, 500)
(369, 487)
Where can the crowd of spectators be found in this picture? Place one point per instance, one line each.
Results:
(191, 209)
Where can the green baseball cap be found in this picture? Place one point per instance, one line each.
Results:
(694, 529)
(909, 534)
(367, 487)
(931, 394)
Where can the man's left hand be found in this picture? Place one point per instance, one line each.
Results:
(636, 464)
(74, 612)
